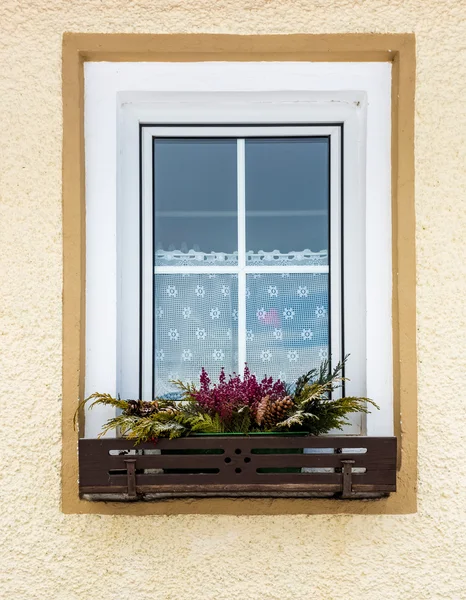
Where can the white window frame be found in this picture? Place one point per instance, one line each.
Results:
(355, 95)
(130, 346)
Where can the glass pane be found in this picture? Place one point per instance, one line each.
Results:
(195, 326)
(287, 324)
(195, 201)
(287, 201)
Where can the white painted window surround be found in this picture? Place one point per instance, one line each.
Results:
(121, 96)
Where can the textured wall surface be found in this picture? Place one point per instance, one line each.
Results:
(46, 555)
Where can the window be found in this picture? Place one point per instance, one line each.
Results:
(239, 252)
(101, 181)
(238, 226)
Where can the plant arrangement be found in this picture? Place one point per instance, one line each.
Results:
(238, 405)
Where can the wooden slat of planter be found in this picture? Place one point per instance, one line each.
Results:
(203, 443)
(194, 461)
(322, 460)
(326, 481)
(218, 488)
(382, 444)
(276, 489)
(227, 478)
(249, 478)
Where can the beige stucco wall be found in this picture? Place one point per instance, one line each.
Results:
(47, 555)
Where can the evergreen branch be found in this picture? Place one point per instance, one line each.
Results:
(125, 423)
(99, 398)
(148, 428)
(188, 390)
(240, 421)
(205, 423)
(303, 381)
(297, 418)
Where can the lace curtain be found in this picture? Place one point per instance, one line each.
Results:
(196, 320)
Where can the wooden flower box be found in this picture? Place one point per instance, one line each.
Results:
(238, 465)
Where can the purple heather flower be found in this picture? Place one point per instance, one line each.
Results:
(230, 395)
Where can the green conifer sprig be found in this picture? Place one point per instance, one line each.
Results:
(315, 408)
(98, 398)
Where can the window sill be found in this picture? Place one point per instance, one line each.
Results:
(338, 467)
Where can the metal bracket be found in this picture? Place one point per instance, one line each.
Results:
(347, 478)
(131, 477)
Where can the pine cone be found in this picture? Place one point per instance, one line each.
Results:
(262, 409)
(270, 412)
(169, 410)
(276, 411)
(133, 407)
(142, 408)
(149, 408)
